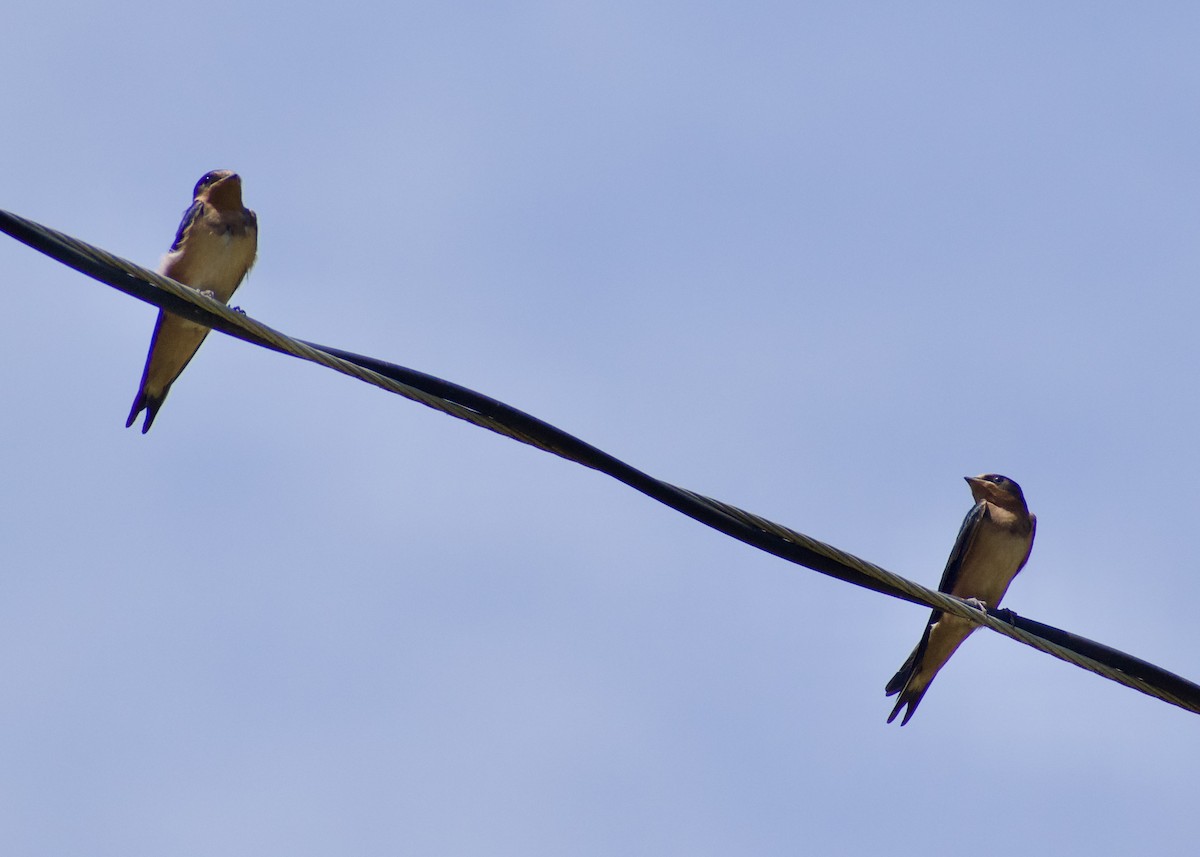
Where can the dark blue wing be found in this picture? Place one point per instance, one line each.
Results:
(189, 217)
(962, 544)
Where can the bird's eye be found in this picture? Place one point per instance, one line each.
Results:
(994, 478)
(207, 179)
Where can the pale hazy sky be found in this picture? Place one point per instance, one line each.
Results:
(818, 260)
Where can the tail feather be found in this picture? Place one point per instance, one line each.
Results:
(912, 698)
(907, 683)
(146, 403)
(897, 682)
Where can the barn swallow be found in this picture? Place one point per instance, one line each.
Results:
(214, 248)
(992, 546)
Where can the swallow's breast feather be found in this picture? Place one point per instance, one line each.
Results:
(215, 260)
(996, 557)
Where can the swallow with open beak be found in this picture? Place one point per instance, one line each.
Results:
(992, 546)
(214, 248)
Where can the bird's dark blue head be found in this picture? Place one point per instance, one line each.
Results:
(997, 489)
(211, 178)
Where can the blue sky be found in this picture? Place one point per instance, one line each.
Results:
(817, 260)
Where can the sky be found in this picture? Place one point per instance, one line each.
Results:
(817, 260)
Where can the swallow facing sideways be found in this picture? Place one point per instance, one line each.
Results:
(215, 246)
(992, 546)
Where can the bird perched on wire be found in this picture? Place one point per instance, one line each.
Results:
(214, 248)
(992, 546)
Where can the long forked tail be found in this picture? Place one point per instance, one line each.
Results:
(143, 402)
(910, 691)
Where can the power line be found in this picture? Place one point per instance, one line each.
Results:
(496, 416)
